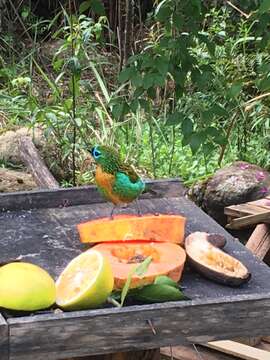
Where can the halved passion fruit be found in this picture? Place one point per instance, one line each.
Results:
(214, 263)
(167, 259)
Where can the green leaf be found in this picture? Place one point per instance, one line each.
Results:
(175, 118)
(264, 7)
(219, 110)
(158, 293)
(100, 81)
(163, 12)
(187, 127)
(139, 270)
(136, 80)
(162, 65)
(95, 5)
(207, 115)
(120, 109)
(52, 117)
(148, 81)
(195, 142)
(74, 65)
(68, 104)
(98, 7)
(264, 83)
(78, 122)
(125, 74)
(25, 13)
(235, 90)
(145, 104)
(165, 280)
(134, 105)
(85, 5)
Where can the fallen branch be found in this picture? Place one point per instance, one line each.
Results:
(32, 160)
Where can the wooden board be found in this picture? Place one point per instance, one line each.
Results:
(248, 214)
(4, 345)
(241, 351)
(25, 200)
(48, 237)
(188, 352)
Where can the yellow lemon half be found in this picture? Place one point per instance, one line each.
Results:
(85, 283)
(25, 287)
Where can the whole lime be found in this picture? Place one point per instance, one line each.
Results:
(26, 287)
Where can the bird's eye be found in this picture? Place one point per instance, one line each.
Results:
(96, 153)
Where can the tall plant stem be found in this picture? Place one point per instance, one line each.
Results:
(74, 100)
(152, 147)
(74, 131)
(229, 130)
(172, 150)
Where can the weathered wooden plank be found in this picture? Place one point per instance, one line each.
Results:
(259, 241)
(249, 220)
(241, 351)
(189, 352)
(4, 342)
(245, 209)
(79, 196)
(110, 330)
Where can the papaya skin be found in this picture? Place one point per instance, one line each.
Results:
(160, 228)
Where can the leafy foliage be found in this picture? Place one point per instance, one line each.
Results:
(194, 95)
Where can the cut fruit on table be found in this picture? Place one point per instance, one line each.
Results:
(161, 227)
(25, 287)
(85, 283)
(167, 259)
(214, 263)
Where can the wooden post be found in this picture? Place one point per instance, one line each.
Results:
(31, 158)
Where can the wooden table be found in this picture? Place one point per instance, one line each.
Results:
(40, 227)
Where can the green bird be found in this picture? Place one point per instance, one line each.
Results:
(117, 182)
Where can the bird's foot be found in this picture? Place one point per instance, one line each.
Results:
(138, 208)
(112, 211)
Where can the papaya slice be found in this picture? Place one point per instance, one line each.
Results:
(164, 228)
(167, 259)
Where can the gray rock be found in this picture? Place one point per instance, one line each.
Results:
(235, 184)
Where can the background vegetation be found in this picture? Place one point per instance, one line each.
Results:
(179, 87)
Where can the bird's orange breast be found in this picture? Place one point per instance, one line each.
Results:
(105, 181)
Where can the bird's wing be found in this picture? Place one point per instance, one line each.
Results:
(130, 172)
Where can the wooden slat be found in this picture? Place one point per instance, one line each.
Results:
(245, 209)
(249, 220)
(239, 350)
(259, 241)
(109, 330)
(188, 352)
(4, 343)
(26, 200)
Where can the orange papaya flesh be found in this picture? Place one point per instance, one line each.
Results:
(161, 228)
(167, 259)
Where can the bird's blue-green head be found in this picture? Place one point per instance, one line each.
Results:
(106, 157)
